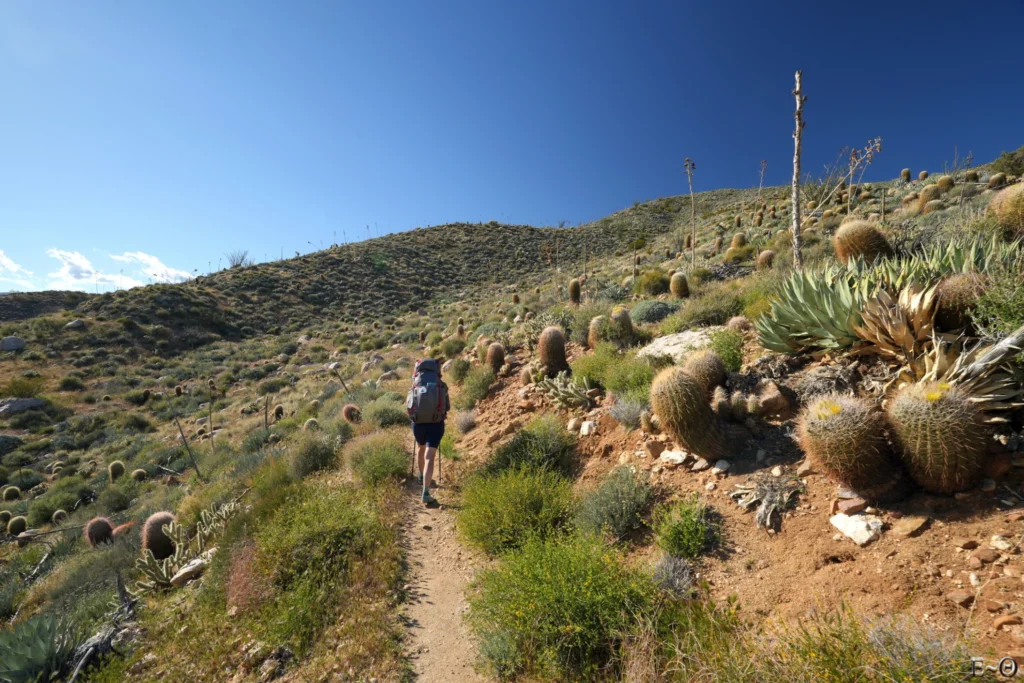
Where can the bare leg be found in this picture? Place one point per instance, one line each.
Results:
(420, 450)
(429, 470)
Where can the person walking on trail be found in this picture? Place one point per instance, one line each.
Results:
(427, 405)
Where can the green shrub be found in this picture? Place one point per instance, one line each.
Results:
(452, 347)
(22, 387)
(459, 369)
(616, 507)
(271, 386)
(40, 510)
(1010, 163)
(685, 529)
(581, 317)
(475, 387)
(652, 311)
(137, 397)
(71, 383)
(543, 444)
(318, 549)
(379, 457)
(629, 375)
(385, 412)
(652, 282)
(714, 306)
(500, 512)
(728, 344)
(557, 610)
(115, 499)
(1000, 308)
(312, 453)
(595, 367)
(256, 440)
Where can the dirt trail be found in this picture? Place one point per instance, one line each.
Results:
(440, 644)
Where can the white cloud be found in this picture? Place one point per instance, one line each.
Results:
(76, 272)
(12, 272)
(154, 267)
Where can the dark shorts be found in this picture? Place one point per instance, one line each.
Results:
(429, 433)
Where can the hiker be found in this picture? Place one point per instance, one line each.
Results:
(427, 405)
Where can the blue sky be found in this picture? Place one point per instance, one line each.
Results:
(141, 141)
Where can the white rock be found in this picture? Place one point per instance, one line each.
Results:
(721, 467)
(1001, 543)
(587, 428)
(333, 366)
(700, 465)
(862, 529)
(518, 319)
(12, 344)
(75, 324)
(190, 571)
(975, 581)
(574, 425)
(776, 471)
(677, 346)
(672, 459)
(447, 366)
(710, 486)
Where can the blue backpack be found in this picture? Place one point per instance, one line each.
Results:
(427, 402)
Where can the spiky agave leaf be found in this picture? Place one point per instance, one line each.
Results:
(900, 327)
(815, 312)
(37, 649)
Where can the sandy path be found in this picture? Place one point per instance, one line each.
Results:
(440, 645)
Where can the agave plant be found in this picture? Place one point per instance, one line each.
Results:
(899, 327)
(38, 649)
(813, 312)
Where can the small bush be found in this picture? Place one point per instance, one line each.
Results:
(256, 440)
(1010, 163)
(500, 512)
(452, 347)
(312, 453)
(459, 369)
(628, 376)
(465, 421)
(379, 457)
(652, 311)
(22, 387)
(71, 383)
(714, 307)
(542, 444)
(728, 344)
(271, 386)
(685, 529)
(617, 505)
(652, 282)
(475, 387)
(137, 397)
(626, 410)
(385, 412)
(115, 499)
(557, 609)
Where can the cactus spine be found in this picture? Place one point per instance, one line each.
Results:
(940, 434)
(707, 368)
(845, 437)
(681, 405)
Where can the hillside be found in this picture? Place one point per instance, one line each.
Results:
(656, 468)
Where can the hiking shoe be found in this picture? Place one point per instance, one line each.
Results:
(428, 499)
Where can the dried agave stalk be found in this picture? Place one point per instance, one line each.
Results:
(902, 327)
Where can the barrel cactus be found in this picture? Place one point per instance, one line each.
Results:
(738, 240)
(11, 493)
(115, 470)
(17, 525)
(765, 259)
(58, 516)
(314, 406)
(515, 299)
(551, 350)
(1008, 209)
(716, 246)
(278, 412)
(679, 286)
(957, 295)
(929, 193)
(972, 176)
(923, 175)
(860, 238)
(622, 324)
(153, 537)
(905, 175)
(98, 530)
(574, 292)
(596, 330)
(681, 404)
(495, 356)
(945, 183)
(139, 475)
(5, 517)
(940, 434)
(311, 425)
(351, 414)
(996, 180)
(707, 368)
(844, 436)
(178, 390)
